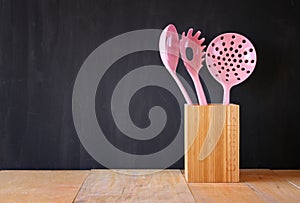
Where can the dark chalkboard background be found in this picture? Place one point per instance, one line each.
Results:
(44, 43)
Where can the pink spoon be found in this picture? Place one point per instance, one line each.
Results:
(169, 54)
(231, 59)
(194, 64)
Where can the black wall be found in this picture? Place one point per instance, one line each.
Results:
(44, 43)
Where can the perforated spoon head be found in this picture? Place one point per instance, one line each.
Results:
(231, 58)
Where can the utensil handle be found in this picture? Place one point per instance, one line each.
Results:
(182, 89)
(226, 95)
(199, 90)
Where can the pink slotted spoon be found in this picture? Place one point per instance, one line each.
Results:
(194, 64)
(169, 54)
(231, 58)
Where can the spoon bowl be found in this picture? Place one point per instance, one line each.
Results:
(169, 54)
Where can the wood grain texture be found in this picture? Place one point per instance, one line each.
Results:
(40, 186)
(164, 186)
(292, 176)
(110, 186)
(224, 192)
(270, 186)
(212, 143)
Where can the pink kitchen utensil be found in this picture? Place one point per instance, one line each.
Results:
(193, 64)
(169, 54)
(231, 58)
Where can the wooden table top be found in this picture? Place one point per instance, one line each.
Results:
(145, 186)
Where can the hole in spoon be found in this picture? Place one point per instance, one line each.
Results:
(189, 53)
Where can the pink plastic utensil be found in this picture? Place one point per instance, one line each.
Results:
(231, 59)
(193, 64)
(169, 54)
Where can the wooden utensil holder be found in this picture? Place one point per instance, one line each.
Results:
(211, 142)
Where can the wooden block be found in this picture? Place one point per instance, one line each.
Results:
(270, 186)
(112, 186)
(40, 186)
(211, 143)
